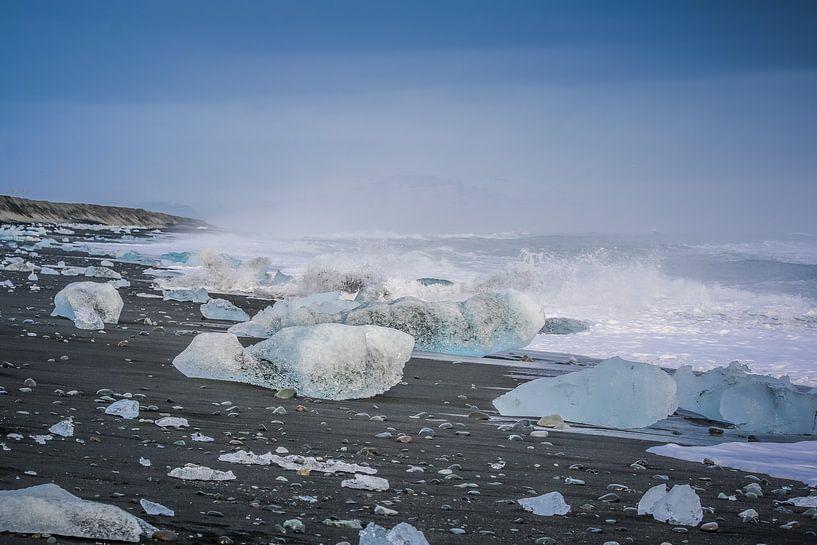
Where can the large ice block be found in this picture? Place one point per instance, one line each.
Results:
(89, 304)
(681, 505)
(222, 309)
(615, 393)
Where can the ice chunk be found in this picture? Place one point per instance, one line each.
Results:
(106, 263)
(72, 271)
(102, 272)
(219, 356)
(121, 283)
(222, 309)
(246, 458)
(797, 461)
(615, 393)
(33, 277)
(803, 501)
(294, 462)
(484, 324)
(754, 403)
(172, 422)
(681, 505)
(564, 326)
(313, 309)
(366, 482)
(198, 295)
(63, 428)
(335, 361)
(193, 472)
(47, 508)
(153, 508)
(49, 270)
(126, 408)
(402, 534)
(89, 304)
(552, 503)
(201, 438)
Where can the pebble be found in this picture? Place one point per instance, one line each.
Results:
(285, 393)
(165, 535)
(30, 382)
(709, 527)
(294, 525)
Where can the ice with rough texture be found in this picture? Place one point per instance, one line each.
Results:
(126, 408)
(796, 461)
(172, 422)
(681, 505)
(334, 361)
(803, 501)
(754, 403)
(564, 326)
(198, 295)
(219, 356)
(222, 309)
(313, 309)
(483, 324)
(153, 508)
(366, 482)
(49, 509)
(295, 462)
(546, 505)
(102, 272)
(63, 428)
(193, 472)
(90, 305)
(402, 534)
(615, 393)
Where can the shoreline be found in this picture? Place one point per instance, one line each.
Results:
(106, 464)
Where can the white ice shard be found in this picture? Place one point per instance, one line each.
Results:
(49, 509)
(222, 309)
(615, 393)
(334, 361)
(681, 505)
(366, 482)
(246, 458)
(219, 356)
(89, 304)
(754, 403)
(153, 508)
(72, 271)
(201, 438)
(49, 271)
(102, 272)
(552, 503)
(484, 324)
(33, 277)
(197, 295)
(126, 408)
(402, 534)
(193, 472)
(294, 462)
(318, 308)
(172, 422)
(63, 428)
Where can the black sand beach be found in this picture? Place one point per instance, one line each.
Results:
(132, 358)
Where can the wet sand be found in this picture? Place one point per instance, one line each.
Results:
(105, 465)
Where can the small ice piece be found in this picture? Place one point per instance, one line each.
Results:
(754, 403)
(126, 408)
(49, 271)
(294, 462)
(222, 309)
(153, 508)
(193, 472)
(366, 482)
(334, 361)
(106, 263)
(89, 304)
(198, 295)
(402, 534)
(33, 277)
(484, 324)
(681, 505)
(121, 283)
(63, 428)
(803, 501)
(564, 326)
(245, 457)
(172, 422)
(144, 462)
(72, 271)
(42, 439)
(102, 272)
(201, 438)
(615, 393)
(546, 505)
(49, 509)
(317, 308)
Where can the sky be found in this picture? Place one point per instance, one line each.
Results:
(447, 116)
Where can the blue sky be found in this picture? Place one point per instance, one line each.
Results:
(446, 116)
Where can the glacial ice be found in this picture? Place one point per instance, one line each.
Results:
(89, 304)
(295, 462)
(312, 309)
(366, 482)
(546, 505)
(47, 508)
(334, 361)
(483, 324)
(681, 505)
(796, 461)
(193, 472)
(102, 272)
(63, 428)
(153, 508)
(564, 326)
(197, 295)
(402, 534)
(754, 403)
(172, 422)
(219, 356)
(615, 393)
(222, 309)
(126, 408)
